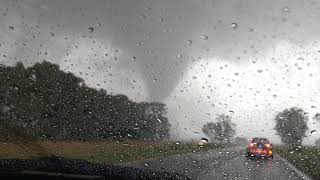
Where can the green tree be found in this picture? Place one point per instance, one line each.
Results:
(209, 129)
(291, 126)
(49, 104)
(222, 130)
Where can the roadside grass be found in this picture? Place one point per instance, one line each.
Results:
(306, 159)
(106, 152)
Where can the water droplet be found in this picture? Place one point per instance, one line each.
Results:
(286, 9)
(317, 117)
(234, 25)
(313, 131)
(189, 42)
(260, 71)
(314, 107)
(143, 16)
(236, 74)
(11, 28)
(204, 37)
(250, 29)
(134, 58)
(179, 56)
(274, 96)
(204, 139)
(91, 29)
(154, 80)
(52, 34)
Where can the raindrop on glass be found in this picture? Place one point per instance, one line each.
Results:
(91, 29)
(234, 25)
(286, 9)
(204, 37)
(154, 80)
(11, 28)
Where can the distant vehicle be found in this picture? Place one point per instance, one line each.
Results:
(260, 147)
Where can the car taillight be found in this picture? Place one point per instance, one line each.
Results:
(251, 144)
(267, 145)
(270, 152)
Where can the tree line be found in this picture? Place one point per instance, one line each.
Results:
(46, 103)
(290, 125)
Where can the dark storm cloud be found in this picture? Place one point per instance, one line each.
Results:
(163, 37)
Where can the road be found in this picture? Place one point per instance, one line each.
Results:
(222, 164)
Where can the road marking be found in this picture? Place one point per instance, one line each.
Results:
(293, 168)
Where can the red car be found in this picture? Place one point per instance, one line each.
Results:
(260, 147)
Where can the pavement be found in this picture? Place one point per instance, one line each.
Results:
(228, 163)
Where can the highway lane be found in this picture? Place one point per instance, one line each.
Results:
(222, 164)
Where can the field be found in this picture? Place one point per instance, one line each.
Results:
(101, 152)
(306, 159)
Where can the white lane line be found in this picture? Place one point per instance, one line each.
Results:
(293, 168)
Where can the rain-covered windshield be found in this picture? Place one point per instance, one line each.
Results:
(177, 86)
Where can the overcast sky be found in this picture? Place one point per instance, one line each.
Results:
(246, 58)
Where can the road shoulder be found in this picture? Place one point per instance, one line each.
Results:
(304, 176)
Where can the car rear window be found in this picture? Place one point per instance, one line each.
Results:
(260, 140)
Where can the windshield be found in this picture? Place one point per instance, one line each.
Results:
(173, 86)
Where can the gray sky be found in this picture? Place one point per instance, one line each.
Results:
(202, 58)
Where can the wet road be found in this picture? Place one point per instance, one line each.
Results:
(223, 164)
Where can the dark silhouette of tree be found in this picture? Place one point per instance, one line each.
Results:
(221, 131)
(49, 104)
(291, 126)
(240, 140)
